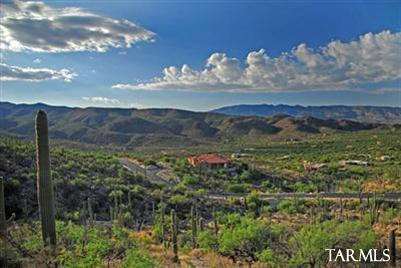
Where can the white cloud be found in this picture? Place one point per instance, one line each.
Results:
(101, 100)
(373, 58)
(36, 26)
(14, 73)
(386, 90)
(37, 60)
(137, 105)
(122, 53)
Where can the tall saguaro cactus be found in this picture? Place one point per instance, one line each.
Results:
(215, 224)
(3, 221)
(129, 200)
(116, 208)
(163, 231)
(111, 214)
(44, 180)
(201, 226)
(392, 247)
(90, 211)
(312, 214)
(174, 234)
(374, 210)
(83, 214)
(3, 225)
(193, 226)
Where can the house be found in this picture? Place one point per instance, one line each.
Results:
(209, 161)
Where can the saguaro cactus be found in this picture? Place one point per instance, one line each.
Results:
(153, 211)
(193, 226)
(3, 224)
(374, 210)
(216, 226)
(174, 234)
(3, 221)
(44, 180)
(201, 226)
(312, 214)
(90, 211)
(111, 213)
(117, 209)
(163, 231)
(83, 214)
(129, 200)
(392, 247)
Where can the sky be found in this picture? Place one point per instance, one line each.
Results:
(200, 55)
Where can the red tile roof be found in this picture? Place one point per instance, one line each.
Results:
(207, 158)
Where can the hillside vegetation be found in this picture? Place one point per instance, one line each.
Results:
(371, 114)
(132, 128)
(107, 215)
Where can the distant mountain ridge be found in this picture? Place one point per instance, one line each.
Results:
(370, 114)
(132, 128)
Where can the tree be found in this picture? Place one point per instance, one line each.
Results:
(243, 238)
(310, 242)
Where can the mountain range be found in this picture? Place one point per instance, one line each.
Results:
(131, 128)
(370, 114)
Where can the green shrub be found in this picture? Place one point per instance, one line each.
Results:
(184, 239)
(137, 259)
(85, 247)
(287, 206)
(269, 257)
(310, 242)
(389, 215)
(208, 240)
(244, 238)
(238, 188)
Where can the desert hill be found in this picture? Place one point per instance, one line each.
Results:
(370, 114)
(172, 127)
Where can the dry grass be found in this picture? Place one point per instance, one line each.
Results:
(380, 185)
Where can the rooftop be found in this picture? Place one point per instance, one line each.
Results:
(208, 158)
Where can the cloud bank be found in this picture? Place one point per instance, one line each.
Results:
(373, 58)
(36, 26)
(14, 73)
(101, 100)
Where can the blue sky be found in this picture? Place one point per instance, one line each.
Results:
(337, 52)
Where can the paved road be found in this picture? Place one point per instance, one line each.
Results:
(149, 174)
(393, 196)
(153, 177)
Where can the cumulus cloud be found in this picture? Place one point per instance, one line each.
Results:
(103, 100)
(14, 73)
(373, 58)
(36, 26)
(37, 60)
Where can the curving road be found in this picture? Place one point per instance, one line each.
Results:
(148, 174)
(390, 196)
